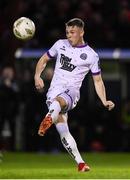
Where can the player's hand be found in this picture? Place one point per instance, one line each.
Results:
(39, 84)
(109, 105)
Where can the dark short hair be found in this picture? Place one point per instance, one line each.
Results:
(75, 22)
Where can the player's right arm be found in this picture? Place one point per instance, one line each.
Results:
(52, 52)
(39, 83)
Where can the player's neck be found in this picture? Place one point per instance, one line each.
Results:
(81, 43)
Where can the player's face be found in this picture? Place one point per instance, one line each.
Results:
(74, 34)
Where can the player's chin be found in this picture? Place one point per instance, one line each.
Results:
(72, 43)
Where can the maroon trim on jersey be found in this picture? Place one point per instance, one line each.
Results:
(96, 73)
(78, 46)
(81, 46)
(49, 55)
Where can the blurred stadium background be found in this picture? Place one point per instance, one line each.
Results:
(22, 107)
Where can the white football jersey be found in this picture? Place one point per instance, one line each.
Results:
(72, 63)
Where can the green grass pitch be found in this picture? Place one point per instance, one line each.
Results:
(61, 166)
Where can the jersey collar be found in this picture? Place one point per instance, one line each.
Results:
(81, 46)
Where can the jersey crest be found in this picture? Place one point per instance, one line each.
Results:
(83, 56)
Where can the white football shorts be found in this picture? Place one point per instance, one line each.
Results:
(70, 94)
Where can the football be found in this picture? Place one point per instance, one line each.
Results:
(24, 28)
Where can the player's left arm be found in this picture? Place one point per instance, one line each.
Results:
(101, 92)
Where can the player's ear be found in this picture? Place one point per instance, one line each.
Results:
(82, 32)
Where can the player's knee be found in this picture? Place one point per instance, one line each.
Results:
(62, 102)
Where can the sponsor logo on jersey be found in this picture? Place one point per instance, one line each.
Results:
(83, 56)
(65, 62)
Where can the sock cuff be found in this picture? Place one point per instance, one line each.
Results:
(53, 105)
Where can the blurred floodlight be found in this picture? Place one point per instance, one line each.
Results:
(116, 54)
(18, 53)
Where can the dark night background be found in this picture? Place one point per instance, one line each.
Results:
(107, 25)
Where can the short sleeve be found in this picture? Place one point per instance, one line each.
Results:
(52, 52)
(95, 68)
